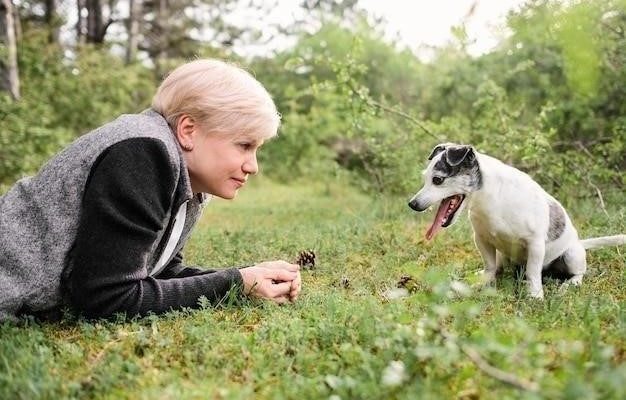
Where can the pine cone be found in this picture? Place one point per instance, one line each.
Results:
(409, 283)
(306, 259)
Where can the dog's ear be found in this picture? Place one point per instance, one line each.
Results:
(436, 150)
(457, 154)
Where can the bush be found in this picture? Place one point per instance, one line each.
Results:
(62, 98)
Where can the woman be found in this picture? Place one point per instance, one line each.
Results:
(100, 228)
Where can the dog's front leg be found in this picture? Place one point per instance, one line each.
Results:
(534, 266)
(488, 253)
(501, 260)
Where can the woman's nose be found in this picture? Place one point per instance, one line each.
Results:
(251, 166)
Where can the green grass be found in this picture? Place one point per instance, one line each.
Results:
(343, 333)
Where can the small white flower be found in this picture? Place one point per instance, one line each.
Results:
(394, 374)
(395, 293)
(333, 381)
(576, 347)
(460, 288)
(609, 15)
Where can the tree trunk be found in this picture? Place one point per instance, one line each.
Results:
(10, 80)
(80, 22)
(94, 21)
(52, 20)
(159, 59)
(133, 30)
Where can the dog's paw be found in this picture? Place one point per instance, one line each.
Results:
(565, 286)
(536, 295)
(486, 278)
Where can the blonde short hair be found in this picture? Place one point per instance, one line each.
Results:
(221, 97)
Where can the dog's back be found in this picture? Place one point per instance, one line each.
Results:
(511, 210)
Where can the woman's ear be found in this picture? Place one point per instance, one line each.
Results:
(185, 132)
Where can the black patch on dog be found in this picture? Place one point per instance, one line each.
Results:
(446, 168)
(456, 155)
(460, 160)
(557, 270)
(477, 177)
(557, 221)
(436, 150)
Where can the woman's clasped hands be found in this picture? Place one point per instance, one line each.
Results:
(278, 281)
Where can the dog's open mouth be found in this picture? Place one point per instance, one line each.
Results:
(448, 207)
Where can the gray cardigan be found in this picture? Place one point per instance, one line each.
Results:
(55, 227)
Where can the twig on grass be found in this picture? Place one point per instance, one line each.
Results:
(485, 367)
(496, 373)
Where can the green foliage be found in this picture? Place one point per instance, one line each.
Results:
(548, 100)
(578, 38)
(327, 100)
(63, 96)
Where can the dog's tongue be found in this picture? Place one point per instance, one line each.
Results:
(438, 222)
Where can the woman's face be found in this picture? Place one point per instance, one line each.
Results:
(220, 165)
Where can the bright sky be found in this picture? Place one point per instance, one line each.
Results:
(424, 23)
(420, 24)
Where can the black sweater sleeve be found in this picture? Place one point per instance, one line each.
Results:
(176, 269)
(125, 204)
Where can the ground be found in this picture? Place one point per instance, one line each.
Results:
(346, 336)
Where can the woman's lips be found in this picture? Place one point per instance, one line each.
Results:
(239, 182)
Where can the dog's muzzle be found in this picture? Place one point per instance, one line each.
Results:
(415, 205)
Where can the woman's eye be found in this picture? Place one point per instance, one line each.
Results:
(437, 180)
(245, 146)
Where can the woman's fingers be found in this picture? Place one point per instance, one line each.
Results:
(278, 281)
(292, 267)
(282, 275)
(280, 289)
(280, 264)
(296, 286)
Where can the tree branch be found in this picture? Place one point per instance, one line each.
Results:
(588, 179)
(496, 373)
(373, 103)
(488, 369)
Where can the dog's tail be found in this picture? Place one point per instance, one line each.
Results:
(603, 241)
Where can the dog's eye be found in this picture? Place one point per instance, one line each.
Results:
(437, 180)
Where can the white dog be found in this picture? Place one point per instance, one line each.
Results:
(513, 218)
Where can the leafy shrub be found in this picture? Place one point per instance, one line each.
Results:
(526, 103)
(62, 98)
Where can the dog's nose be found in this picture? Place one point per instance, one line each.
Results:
(414, 205)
